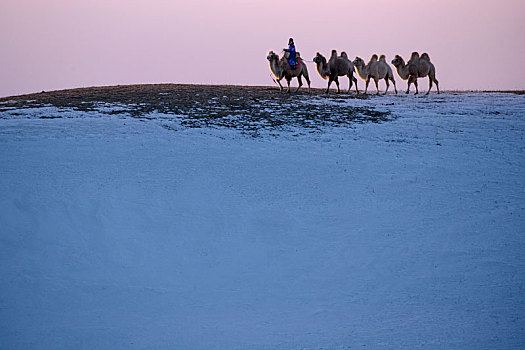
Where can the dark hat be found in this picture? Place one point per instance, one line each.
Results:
(291, 39)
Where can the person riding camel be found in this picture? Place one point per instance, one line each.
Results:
(292, 59)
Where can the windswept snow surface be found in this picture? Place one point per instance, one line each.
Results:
(119, 232)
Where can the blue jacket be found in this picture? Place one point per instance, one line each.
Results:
(292, 58)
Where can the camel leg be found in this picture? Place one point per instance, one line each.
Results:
(429, 84)
(415, 84)
(280, 86)
(377, 86)
(300, 83)
(308, 81)
(411, 79)
(394, 82)
(329, 83)
(288, 83)
(367, 82)
(435, 81)
(336, 79)
(387, 85)
(355, 82)
(349, 82)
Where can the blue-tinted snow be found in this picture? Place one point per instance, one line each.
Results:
(122, 233)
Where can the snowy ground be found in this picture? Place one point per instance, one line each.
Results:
(120, 231)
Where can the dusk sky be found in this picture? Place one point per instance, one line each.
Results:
(58, 44)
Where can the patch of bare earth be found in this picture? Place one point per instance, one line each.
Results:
(246, 108)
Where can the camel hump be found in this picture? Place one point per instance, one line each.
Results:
(343, 54)
(373, 59)
(297, 54)
(425, 56)
(334, 53)
(414, 55)
(382, 58)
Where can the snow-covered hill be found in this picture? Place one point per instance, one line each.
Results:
(383, 223)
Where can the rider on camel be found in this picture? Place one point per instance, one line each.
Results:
(292, 59)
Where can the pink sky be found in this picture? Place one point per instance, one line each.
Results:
(57, 44)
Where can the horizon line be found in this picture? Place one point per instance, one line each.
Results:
(515, 91)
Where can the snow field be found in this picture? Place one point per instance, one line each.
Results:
(117, 232)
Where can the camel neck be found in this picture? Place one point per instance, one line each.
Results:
(322, 68)
(362, 70)
(276, 67)
(402, 70)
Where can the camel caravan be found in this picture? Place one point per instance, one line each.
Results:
(291, 65)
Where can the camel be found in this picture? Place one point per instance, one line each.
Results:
(282, 69)
(334, 68)
(416, 67)
(375, 69)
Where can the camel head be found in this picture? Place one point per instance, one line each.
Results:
(358, 61)
(398, 61)
(319, 58)
(272, 56)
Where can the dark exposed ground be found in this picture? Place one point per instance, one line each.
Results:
(239, 107)
(517, 92)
